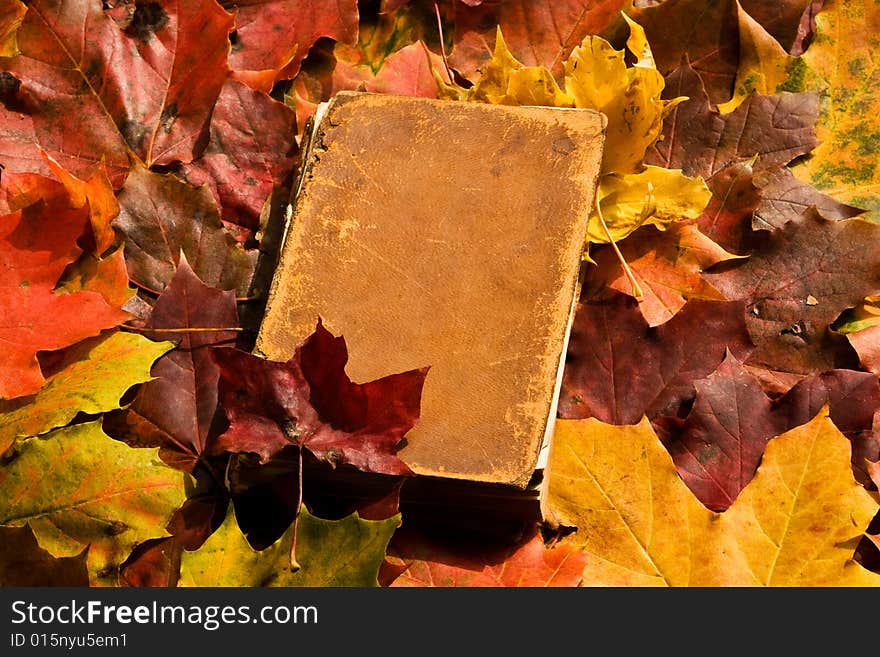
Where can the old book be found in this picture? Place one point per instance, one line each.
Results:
(447, 234)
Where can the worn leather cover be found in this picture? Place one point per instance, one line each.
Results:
(447, 234)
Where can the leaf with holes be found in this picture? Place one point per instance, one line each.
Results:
(797, 284)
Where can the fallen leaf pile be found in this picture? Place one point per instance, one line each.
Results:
(718, 416)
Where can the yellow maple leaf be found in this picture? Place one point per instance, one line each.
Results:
(795, 524)
(597, 77)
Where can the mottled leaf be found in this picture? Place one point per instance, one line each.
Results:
(94, 492)
(763, 63)
(345, 552)
(839, 63)
(795, 524)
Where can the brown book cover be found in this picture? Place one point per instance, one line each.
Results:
(447, 234)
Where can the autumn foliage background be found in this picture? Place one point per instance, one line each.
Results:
(718, 421)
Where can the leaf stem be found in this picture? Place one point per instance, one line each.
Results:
(190, 329)
(636, 288)
(294, 565)
(443, 44)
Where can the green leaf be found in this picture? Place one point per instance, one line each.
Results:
(346, 552)
(92, 491)
(92, 379)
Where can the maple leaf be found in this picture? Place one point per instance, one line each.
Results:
(719, 446)
(763, 63)
(36, 245)
(784, 198)
(506, 81)
(416, 560)
(701, 141)
(618, 368)
(541, 32)
(252, 148)
(653, 197)
(96, 492)
(667, 266)
(310, 402)
(24, 563)
(703, 33)
(177, 409)
(843, 165)
(346, 552)
(91, 378)
(597, 77)
(277, 34)
(793, 525)
(146, 90)
(162, 216)
(797, 284)
(108, 276)
(97, 192)
(729, 217)
(11, 14)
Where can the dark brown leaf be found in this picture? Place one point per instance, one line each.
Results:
(619, 369)
(161, 217)
(797, 284)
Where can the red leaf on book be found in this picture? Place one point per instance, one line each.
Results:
(310, 402)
